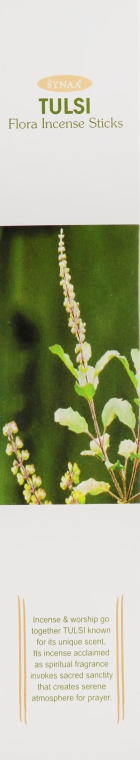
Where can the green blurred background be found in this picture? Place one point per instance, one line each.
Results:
(33, 383)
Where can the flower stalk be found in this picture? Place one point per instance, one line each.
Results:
(78, 328)
(69, 480)
(25, 473)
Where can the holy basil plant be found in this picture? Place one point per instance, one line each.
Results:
(118, 478)
(87, 380)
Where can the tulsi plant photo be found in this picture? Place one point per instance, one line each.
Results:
(106, 466)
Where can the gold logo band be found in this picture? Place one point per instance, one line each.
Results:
(120, 659)
(64, 83)
(22, 660)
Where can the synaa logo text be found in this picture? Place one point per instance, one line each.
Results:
(64, 83)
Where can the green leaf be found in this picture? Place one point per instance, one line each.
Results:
(116, 407)
(80, 497)
(135, 456)
(93, 487)
(65, 358)
(87, 391)
(126, 448)
(99, 366)
(95, 447)
(90, 453)
(105, 440)
(137, 401)
(125, 363)
(72, 420)
(108, 413)
(112, 354)
(135, 353)
(87, 374)
(113, 466)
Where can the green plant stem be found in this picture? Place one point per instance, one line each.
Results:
(134, 497)
(124, 480)
(113, 495)
(132, 479)
(93, 413)
(134, 468)
(115, 481)
(93, 439)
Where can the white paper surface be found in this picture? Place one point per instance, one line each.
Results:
(66, 563)
(83, 175)
(60, 561)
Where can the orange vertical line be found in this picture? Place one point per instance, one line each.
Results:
(122, 656)
(19, 659)
(117, 660)
(25, 663)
